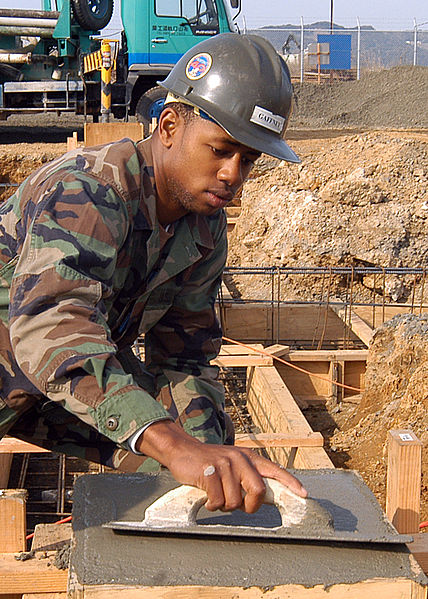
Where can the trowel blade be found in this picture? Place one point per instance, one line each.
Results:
(317, 526)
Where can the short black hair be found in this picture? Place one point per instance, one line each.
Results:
(184, 110)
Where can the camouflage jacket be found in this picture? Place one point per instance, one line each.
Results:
(83, 271)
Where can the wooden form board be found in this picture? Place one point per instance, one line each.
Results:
(309, 386)
(273, 409)
(101, 133)
(376, 316)
(253, 323)
(12, 520)
(235, 356)
(33, 575)
(5, 465)
(398, 588)
(10, 445)
(358, 326)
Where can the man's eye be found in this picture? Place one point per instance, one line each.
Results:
(217, 151)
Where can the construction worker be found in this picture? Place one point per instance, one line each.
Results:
(107, 243)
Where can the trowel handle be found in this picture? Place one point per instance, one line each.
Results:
(180, 506)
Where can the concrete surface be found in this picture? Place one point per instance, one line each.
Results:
(102, 556)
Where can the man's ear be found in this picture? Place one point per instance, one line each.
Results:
(170, 123)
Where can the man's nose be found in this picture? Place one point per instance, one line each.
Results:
(231, 171)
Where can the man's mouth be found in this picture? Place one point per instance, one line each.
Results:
(220, 197)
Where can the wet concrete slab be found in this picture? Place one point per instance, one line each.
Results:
(103, 556)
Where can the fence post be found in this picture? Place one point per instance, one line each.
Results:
(302, 51)
(358, 47)
(415, 44)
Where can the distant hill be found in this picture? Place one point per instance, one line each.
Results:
(378, 48)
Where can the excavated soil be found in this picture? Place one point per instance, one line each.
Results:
(390, 98)
(359, 197)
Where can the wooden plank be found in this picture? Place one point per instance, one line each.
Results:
(233, 211)
(307, 385)
(419, 549)
(72, 142)
(12, 445)
(101, 133)
(273, 409)
(31, 576)
(320, 355)
(12, 520)
(253, 323)
(279, 440)
(279, 350)
(5, 464)
(43, 596)
(398, 588)
(403, 486)
(358, 326)
(242, 361)
(231, 222)
(50, 537)
(238, 350)
(354, 375)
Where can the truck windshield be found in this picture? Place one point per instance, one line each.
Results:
(201, 15)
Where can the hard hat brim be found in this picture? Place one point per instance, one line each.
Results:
(259, 139)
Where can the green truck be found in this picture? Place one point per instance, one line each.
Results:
(50, 58)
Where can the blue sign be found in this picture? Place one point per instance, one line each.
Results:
(340, 50)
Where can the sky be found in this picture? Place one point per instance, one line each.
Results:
(382, 14)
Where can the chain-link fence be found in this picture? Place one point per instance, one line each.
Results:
(350, 51)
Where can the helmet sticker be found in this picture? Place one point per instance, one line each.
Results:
(198, 66)
(266, 118)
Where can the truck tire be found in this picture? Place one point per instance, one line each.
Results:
(93, 15)
(150, 106)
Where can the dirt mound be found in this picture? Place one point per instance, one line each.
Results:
(396, 397)
(358, 200)
(20, 160)
(389, 98)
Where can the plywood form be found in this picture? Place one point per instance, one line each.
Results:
(254, 323)
(101, 133)
(358, 326)
(380, 314)
(381, 589)
(273, 409)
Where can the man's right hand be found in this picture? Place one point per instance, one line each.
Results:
(236, 479)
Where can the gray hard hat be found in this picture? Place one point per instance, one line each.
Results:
(243, 84)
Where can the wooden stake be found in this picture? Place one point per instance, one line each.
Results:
(5, 464)
(403, 489)
(12, 520)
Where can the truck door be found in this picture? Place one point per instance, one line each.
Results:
(177, 25)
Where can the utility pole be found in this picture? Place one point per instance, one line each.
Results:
(331, 16)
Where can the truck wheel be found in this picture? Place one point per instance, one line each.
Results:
(149, 106)
(93, 14)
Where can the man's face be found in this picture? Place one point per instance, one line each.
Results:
(205, 167)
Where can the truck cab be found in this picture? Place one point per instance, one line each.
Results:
(156, 34)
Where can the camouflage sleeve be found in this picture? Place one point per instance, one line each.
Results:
(58, 315)
(179, 348)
